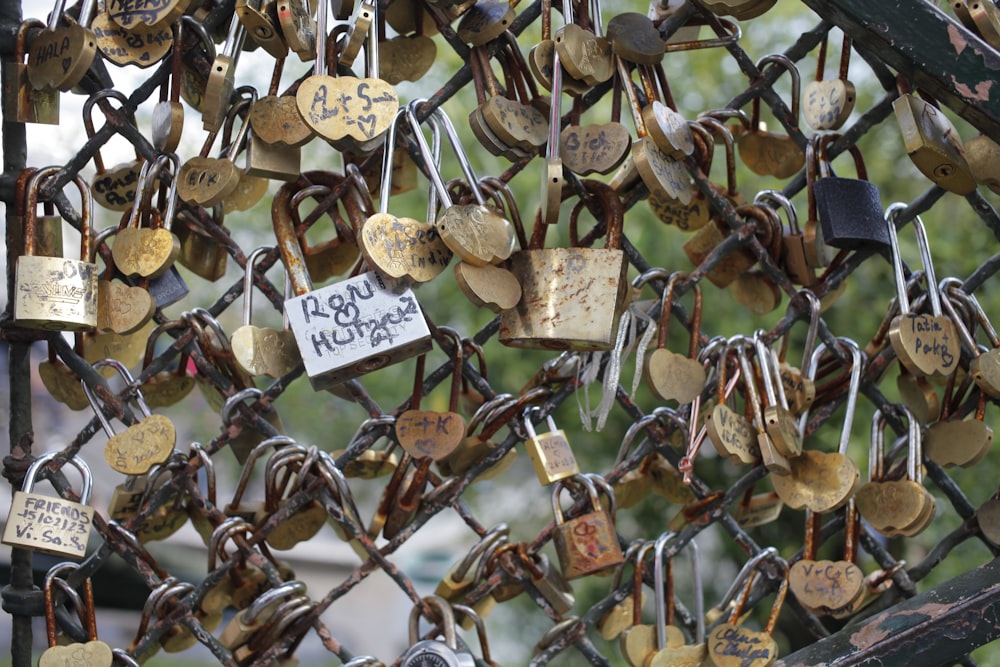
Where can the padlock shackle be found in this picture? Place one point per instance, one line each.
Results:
(252, 258)
(612, 210)
(438, 603)
(288, 242)
(35, 184)
(31, 475)
(209, 466)
(661, 589)
(853, 389)
(785, 62)
(88, 120)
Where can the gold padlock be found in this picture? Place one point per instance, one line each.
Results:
(571, 297)
(55, 293)
(932, 142)
(23, 103)
(50, 524)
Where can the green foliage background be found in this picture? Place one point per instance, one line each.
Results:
(700, 80)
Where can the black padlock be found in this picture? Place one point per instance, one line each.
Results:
(849, 209)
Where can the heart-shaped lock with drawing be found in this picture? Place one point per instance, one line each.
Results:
(423, 433)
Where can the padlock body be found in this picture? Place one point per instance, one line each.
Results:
(551, 457)
(55, 294)
(850, 213)
(24, 104)
(587, 544)
(570, 299)
(356, 326)
(48, 524)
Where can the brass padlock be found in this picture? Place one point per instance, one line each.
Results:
(61, 651)
(550, 453)
(571, 297)
(22, 102)
(50, 524)
(586, 544)
(54, 293)
(932, 142)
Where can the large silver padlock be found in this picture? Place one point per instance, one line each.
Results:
(50, 524)
(570, 297)
(55, 293)
(350, 328)
(434, 652)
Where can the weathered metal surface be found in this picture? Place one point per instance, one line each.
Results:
(939, 55)
(937, 627)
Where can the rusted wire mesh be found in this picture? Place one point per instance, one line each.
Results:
(713, 506)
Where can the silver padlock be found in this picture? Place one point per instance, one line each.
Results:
(434, 652)
(350, 328)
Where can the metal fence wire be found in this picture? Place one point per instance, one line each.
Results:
(907, 44)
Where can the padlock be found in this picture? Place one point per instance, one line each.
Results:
(433, 433)
(463, 575)
(61, 54)
(829, 102)
(403, 247)
(201, 253)
(218, 91)
(248, 622)
(474, 448)
(22, 102)
(435, 651)
(731, 639)
(61, 382)
(794, 255)
(168, 386)
(825, 587)
(550, 453)
(983, 366)
(739, 259)
(167, 121)
(200, 512)
(148, 250)
(774, 459)
(849, 210)
(953, 441)
(926, 345)
(54, 293)
(779, 422)
(768, 153)
(932, 142)
(900, 506)
(48, 524)
(277, 132)
(637, 642)
(142, 445)
(351, 113)
(254, 512)
(821, 481)
(477, 234)
(261, 350)
(587, 543)
(249, 436)
(94, 652)
(729, 430)
(113, 188)
(287, 473)
(349, 328)
(571, 297)
(49, 232)
(122, 309)
(170, 515)
(619, 617)
(671, 375)
(669, 654)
